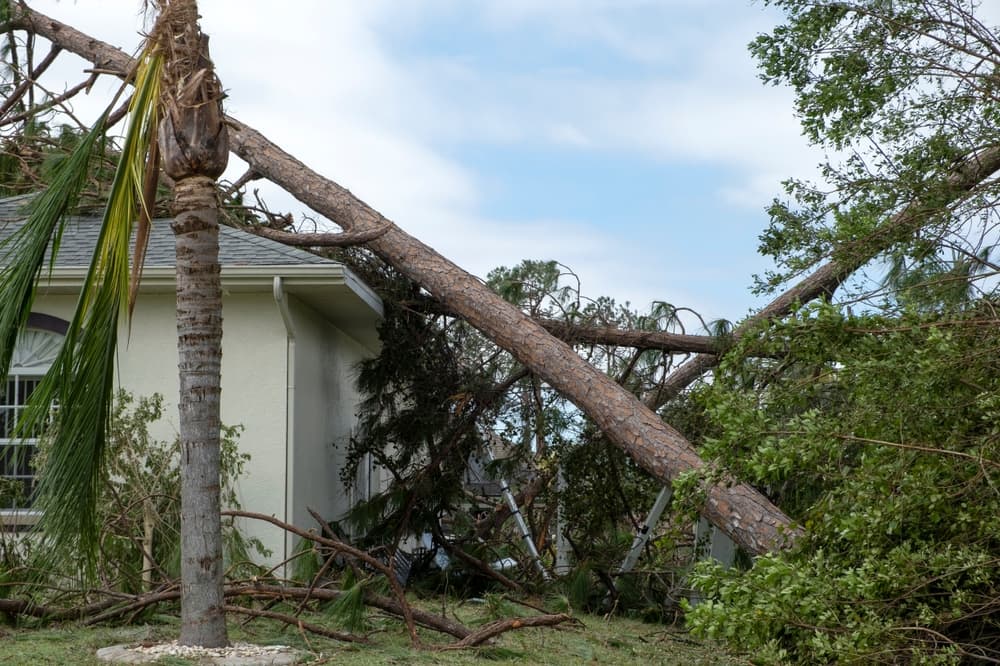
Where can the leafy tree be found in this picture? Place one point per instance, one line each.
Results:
(905, 92)
(879, 435)
(871, 421)
(139, 501)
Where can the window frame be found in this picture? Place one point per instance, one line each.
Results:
(17, 519)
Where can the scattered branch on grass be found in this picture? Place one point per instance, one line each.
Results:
(494, 629)
(386, 604)
(29, 608)
(341, 547)
(291, 620)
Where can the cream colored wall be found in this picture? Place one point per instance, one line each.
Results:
(253, 387)
(325, 404)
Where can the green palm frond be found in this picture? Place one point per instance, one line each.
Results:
(81, 381)
(22, 254)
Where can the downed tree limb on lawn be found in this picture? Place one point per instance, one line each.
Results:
(341, 547)
(297, 622)
(119, 605)
(494, 629)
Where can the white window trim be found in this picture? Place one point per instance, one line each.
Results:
(15, 519)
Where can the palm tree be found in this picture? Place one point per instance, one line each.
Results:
(176, 118)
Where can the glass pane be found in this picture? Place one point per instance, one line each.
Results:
(17, 475)
(24, 457)
(6, 460)
(26, 386)
(30, 488)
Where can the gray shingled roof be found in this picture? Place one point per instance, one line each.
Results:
(236, 248)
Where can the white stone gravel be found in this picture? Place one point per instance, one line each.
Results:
(237, 654)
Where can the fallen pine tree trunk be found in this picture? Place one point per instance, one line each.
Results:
(736, 508)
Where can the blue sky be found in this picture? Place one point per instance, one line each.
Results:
(628, 139)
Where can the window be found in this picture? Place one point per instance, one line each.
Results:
(34, 353)
(16, 455)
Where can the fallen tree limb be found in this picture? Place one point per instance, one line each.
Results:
(975, 169)
(110, 609)
(582, 331)
(389, 605)
(340, 546)
(343, 239)
(494, 629)
(18, 93)
(294, 621)
(29, 608)
(136, 604)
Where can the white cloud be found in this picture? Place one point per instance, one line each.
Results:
(569, 135)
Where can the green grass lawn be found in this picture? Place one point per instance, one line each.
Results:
(596, 641)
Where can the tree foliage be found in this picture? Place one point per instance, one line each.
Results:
(138, 510)
(440, 393)
(880, 436)
(899, 93)
(872, 420)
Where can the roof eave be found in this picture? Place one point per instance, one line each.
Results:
(67, 279)
(329, 288)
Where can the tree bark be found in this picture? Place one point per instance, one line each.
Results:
(739, 510)
(199, 347)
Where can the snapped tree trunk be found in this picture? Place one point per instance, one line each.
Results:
(739, 510)
(194, 148)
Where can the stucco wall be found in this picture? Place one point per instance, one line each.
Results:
(253, 387)
(325, 404)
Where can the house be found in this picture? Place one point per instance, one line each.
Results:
(295, 327)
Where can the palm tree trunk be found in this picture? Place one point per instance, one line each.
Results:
(199, 347)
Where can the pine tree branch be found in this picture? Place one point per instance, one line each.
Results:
(494, 629)
(342, 239)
